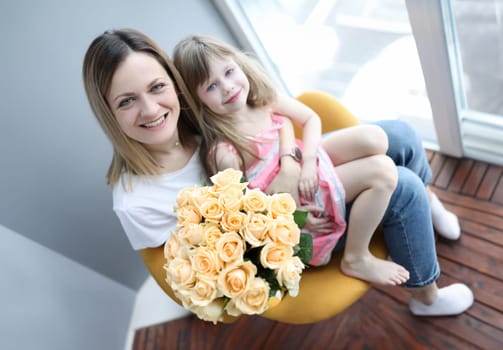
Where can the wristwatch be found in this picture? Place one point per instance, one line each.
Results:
(294, 152)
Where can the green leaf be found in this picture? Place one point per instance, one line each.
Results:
(270, 277)
(304, 250)
(253, 255)
(300, 217)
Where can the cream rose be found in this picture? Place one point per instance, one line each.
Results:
(230, 248)
(191, 234)
(255, 201)
(253, 301)
(273, 254)
(188, 214)
(236, 279)
(284, 230)
(205, 262)
(199, 196)
(225, 178)
(183, 197)
(212, 233)
(231, 198)
(179, 273)
(213, 312)
(233, 221)
(288, 275)
(202, 293)
(255, 229)
(282, 204)
(173, 248)
(212, 210)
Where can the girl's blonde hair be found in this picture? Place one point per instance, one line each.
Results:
(192, 57)
(101, 60)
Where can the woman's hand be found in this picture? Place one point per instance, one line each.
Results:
(316, 224)
(287, 179)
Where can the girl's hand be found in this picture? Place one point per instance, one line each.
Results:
(287, 180)
(316, 224)
(308, 183)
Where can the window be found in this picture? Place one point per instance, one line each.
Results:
(479, 25)
(371, 54)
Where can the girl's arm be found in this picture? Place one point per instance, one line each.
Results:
(310, 123)
(227, 157)
(287, 179)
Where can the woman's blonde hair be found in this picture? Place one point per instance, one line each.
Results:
(192, 57)
(101, 60)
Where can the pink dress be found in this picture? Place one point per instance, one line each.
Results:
(330, 194)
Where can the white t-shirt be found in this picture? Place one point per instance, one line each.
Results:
(146, 211)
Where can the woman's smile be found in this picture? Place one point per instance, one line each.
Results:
(156, 122)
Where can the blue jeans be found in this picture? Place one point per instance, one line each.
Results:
(407, 226)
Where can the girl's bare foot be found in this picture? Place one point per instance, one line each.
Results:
(375, 270)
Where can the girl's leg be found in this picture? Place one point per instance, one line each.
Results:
(355, 142)
(408, 233)
(368, 183)
(406, 149)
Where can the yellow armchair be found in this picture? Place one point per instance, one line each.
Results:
(324, 291)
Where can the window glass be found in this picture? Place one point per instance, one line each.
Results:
(479, 25)
(361, 51)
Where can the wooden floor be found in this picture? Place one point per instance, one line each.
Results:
(381, 320)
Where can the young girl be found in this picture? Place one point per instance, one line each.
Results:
(237, 98)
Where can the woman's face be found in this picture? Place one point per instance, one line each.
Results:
(227, 88)
(143, 99)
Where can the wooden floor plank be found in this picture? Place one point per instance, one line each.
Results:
(498, 193)
(489, 183)
(468, 257)
(454, 200)
(472, 183)
(436, 165)
(482, 231)
(458, 180)
(448, 170)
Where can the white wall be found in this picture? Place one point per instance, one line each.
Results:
(50, 302)
(69, 275)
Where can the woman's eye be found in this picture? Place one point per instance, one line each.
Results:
(125, 102)
(158, 87)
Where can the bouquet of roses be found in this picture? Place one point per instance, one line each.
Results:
(234, 248)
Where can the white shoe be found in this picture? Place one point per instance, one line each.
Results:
(445, 222)
(451, 300)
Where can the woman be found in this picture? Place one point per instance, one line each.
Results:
(147, 113)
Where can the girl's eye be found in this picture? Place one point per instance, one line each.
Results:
(125, 102)
(211, 87)
(229, 71)
(158, 87)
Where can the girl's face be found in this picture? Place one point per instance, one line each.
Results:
(143, 99)
(227, 89)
